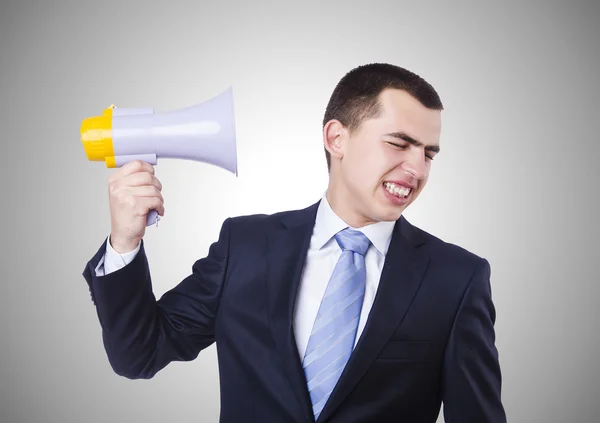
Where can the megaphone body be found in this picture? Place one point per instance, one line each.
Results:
(204, 132)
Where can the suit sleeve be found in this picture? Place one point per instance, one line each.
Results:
(141, 335)
(471, 374)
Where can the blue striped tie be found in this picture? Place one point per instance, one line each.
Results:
(334, 331)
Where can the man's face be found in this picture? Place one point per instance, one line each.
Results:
(381, 170)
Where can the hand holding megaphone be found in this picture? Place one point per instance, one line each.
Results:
(133, 192)
(204, 132)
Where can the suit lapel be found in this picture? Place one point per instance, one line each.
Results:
(286, 254)
(402, 273)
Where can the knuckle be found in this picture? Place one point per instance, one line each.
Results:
(113, 184)
(115, 195)
(119, 194)
(130, 201)
(137, 165)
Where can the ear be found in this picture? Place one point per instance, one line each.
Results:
(335, 137)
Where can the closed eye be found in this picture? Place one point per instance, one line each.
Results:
(405, 146)
(397, 145)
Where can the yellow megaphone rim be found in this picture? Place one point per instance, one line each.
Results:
(96, 136)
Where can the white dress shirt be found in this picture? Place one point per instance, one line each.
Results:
(323, 254)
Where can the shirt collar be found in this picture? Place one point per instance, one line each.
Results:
(327, 224)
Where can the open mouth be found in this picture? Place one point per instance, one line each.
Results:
(397, 190)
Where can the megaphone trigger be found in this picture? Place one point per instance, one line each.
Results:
(204, 132)
(152, 217)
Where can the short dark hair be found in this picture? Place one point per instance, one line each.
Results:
(356, 96)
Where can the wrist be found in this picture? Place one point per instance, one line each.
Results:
(122, 246)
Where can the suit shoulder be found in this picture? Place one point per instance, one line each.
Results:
(265, 222)
(257, 219)
(449, 251)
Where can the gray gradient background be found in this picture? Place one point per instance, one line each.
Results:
(516, 182)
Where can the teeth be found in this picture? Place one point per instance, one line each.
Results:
(397, 190)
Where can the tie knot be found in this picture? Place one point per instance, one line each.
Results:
(352, 240)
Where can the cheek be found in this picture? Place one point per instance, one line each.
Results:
(427, 169)
(363, 174)
(367, 165)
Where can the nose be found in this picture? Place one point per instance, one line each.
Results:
(414, 163)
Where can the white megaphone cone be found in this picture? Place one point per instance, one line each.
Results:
(204, 132)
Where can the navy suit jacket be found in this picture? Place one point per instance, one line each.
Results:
(429, 336)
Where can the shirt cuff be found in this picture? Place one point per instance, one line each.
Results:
(113, 261)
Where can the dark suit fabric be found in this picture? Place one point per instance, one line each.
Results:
(429, 336)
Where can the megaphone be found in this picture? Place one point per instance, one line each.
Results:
(204, 132)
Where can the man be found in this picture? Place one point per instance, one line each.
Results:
(340, 312)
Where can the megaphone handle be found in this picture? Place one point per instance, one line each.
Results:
(152, 217)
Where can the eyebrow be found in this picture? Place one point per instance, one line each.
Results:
(404, 136)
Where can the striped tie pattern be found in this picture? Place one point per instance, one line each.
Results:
(333, 335)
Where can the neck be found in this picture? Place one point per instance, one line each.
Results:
(337, 195)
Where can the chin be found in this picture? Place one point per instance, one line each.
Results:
(390, 215)
(392, 212)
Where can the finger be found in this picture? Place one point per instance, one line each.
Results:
(146, 191)
(135, 166)
(141, 179)
(145, 204)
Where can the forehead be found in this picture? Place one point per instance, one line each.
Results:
(402, 112)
